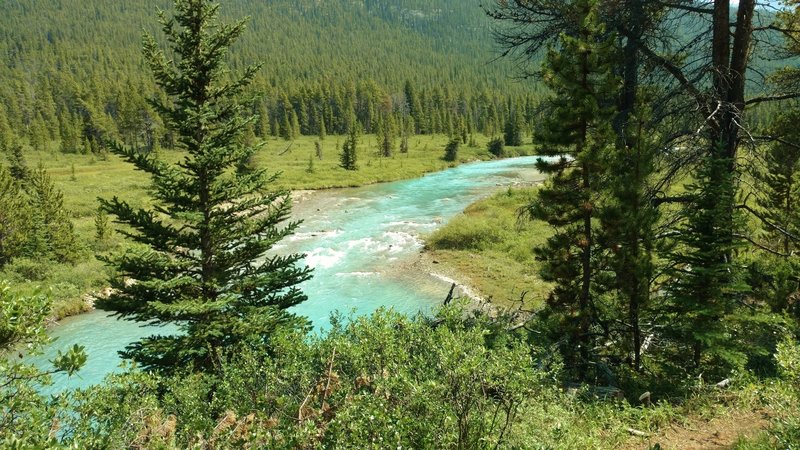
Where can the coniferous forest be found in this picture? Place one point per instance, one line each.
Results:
(639, 289)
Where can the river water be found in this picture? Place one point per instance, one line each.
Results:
(360, 242)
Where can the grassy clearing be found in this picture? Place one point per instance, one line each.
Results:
(84, 178)
(493, 250)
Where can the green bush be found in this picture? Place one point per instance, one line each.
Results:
(788, 357)
(384, 381)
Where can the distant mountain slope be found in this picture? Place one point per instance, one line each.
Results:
(430, 41)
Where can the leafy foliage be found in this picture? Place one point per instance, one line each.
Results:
(26, 416)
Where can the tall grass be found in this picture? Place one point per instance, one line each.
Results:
(492, 249)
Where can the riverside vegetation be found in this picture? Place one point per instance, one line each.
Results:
(659, 257)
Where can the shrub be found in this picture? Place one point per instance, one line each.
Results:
(385, 381)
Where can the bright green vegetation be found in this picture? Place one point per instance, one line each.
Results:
(491, 249)
(369, 382)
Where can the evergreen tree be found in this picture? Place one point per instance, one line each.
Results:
(14, 218)
(779, 193)
(310, 168)
(577, 124)
(348, 158)
(513, 129)
(101, 227)
(451, 150)
(203, 264)
(629, 220)
(707, 286)
(407, 129)
(496, 147)
(17, 165)
(387, 133)
(51, 221)
(6, 137)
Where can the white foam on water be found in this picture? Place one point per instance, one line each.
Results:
(410, 224)
(368, 245)
(443, 278)
(357, 274)
(313, 235)
(400, 240)
(324, 258)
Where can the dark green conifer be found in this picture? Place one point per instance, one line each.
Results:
(50, 220)
(14, 218)
(386, 129)
(578, 125)
(779, 193)
(348, 158)
(202, 263)
(451, 150)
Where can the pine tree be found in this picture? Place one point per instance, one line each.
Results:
(629, 219)
(14, 218)
(348, 158)
(50, 218)
(707, 287)
(6, 137)
(779, 196)
(513, 129)
(496, 147)
(203, 264)
(451, 150)
(310, 167)
(577, 124)
(101, 227)
(17, 165)
(387, 132)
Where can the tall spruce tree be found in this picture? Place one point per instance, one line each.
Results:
(779, 193)
(202, 262)
(629, 220)
(386, 129)
(15, 222)
(578, 125)
(348, 158)
(53, 234)
(707, 286)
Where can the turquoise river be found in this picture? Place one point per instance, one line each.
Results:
(361, 242)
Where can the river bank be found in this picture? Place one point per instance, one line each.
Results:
(75, 288)
(364, 245)
(490, 248)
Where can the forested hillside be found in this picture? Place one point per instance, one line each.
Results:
(74, 71)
